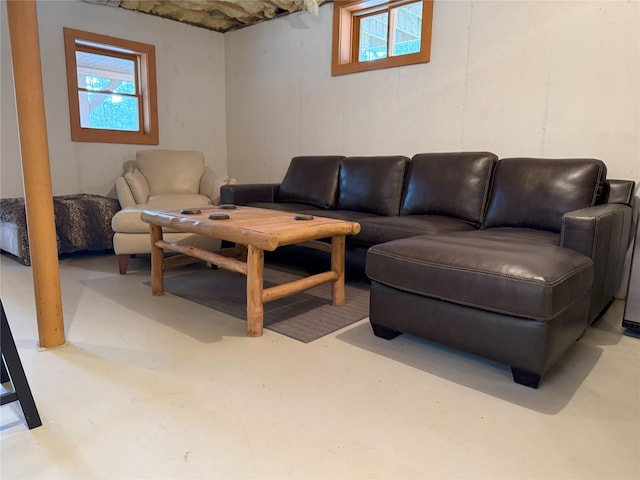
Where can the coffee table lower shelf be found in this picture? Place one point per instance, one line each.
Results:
(253, 269)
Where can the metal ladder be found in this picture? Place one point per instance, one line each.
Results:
(13, 373)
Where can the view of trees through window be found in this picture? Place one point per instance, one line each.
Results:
(396, 30)
(112, 89)
(107, 92)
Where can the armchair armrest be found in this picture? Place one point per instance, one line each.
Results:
(602, 234)
(210, 185)
(249, 193)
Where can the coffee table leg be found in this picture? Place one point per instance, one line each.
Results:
(157, 262)
(337, 265)
(255, 285)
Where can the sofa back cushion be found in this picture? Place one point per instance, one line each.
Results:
(449, 184)
(536, 193)
(311, 180)
(372, 184)
(171, 171)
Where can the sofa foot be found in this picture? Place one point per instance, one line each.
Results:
(526, 378)
(123, 263)
(384, 332)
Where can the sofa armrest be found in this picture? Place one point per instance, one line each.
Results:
(125, 196)
(249, 193)
(602, 234)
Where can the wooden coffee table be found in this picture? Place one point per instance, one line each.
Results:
(253, 230)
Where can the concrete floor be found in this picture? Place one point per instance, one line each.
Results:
(159, 387)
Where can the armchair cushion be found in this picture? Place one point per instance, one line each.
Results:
(171, 171)
(128, 221)
(138, 185)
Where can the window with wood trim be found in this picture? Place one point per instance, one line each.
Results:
(112, 89)
(374, 34)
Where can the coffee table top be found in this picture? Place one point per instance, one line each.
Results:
(263, 228)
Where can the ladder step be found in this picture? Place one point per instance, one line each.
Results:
(8, 397)
(15, 374)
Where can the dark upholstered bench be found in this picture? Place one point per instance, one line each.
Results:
(523, 304)
(83, 222)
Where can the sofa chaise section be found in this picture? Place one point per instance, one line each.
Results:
(512, 291)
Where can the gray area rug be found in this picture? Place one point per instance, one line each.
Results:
(304, 317)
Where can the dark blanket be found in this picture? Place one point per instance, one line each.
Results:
(83, 222)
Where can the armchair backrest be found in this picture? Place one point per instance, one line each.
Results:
(171, 171)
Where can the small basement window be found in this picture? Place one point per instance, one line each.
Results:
(112, 89)
(374, 34)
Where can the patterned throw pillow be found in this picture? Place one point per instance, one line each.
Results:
(138, 185)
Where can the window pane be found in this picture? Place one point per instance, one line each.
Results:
(373, 37)
(101, 72)
(408, 26)
(111, 112)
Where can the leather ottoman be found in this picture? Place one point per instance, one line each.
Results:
(522, 303)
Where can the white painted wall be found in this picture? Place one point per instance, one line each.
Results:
(191, 96)
(542, 78)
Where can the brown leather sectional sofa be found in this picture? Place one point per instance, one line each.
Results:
(508, 259)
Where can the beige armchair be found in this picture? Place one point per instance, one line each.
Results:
(162, 180)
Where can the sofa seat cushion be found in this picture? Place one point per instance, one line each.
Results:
(376, 230)
(521, 279)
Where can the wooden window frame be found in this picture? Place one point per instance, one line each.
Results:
(144, 56)
(346, 26)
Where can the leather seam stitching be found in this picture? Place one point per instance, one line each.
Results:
(574, 271)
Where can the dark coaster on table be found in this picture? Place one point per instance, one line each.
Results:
(226, 206)
(190, 211)
(303, 217)
(218, 216)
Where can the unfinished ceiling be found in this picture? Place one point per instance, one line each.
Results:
(220, 16)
